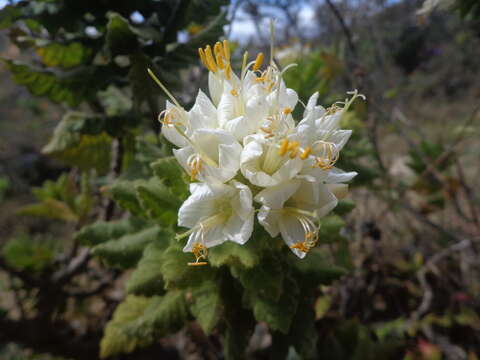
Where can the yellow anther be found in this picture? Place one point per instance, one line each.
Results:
(217, 49)
(226, 50)
(270, 86)
(228, 71)
(293, 153)
(283, 147)
(301, 246)
(195, 168)
(234, 92)
(287, 111)
(200, 252)
(305, 153)
(293, 145)
(220, 63)
(260, 79)
(258, 62)
(210, 60)
(202, 57)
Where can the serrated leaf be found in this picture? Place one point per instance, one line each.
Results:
(127, 250)
(91, 152)
(147, 278)
(71, 88)
(277, 314)
(124, 194)
(177, 273)
(264, 280)
(230, 253)
(303, 334)
(50, 208)
(317, 268)
(103, 231)
(207, 305)
(158, 202)
(32, 254)
(64, 55)
(172, 175)
(139, 321)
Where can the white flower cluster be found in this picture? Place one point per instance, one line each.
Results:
(241, 145)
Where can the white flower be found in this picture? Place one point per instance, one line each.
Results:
(293, 209)
(247, 125)
(212, 155)
(216, 213)
(241, 109)
(262, 163)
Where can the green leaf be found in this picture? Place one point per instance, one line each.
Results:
(115, 340)
(127, 250)
(158, 202)
(120, 38)
(103, 231)
(51, 209)
(277, 314)
(317, 268)
(172, 175)
(147, 278)
(264, 280)
(124, 194)
(303, 334)
(8, 15)
(207, 305)
(177, 273)
(330, 227)
(90, 152)
(230, 253)
(28, 253)
(72, 88)
(139, 321)
(344, 207)
(64, 55)
(239, 320)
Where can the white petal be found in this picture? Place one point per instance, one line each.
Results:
(336, 175)
(339, 190)
(199, 205)
(292, 233)
(269, 220)
(239, 229)
(215, 87)
(274, 197)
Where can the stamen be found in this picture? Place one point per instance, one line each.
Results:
(283, 147)
(220, 63)
(228, 71)
(210, 59)
(234, 92)
(201, 53)
(305, 153)
(287, 111)
(217, 49)
(200, 251)
(159, 83)
(258, 62)
(226, 50)
(328, 155)
(195, 164)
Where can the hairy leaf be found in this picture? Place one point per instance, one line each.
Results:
(207, 305)
(127, 250)
(103, 231)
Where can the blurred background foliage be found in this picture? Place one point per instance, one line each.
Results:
(89, 192)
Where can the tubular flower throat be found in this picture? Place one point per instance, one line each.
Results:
(241, 138)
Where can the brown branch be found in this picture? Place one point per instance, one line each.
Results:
(343, 25)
